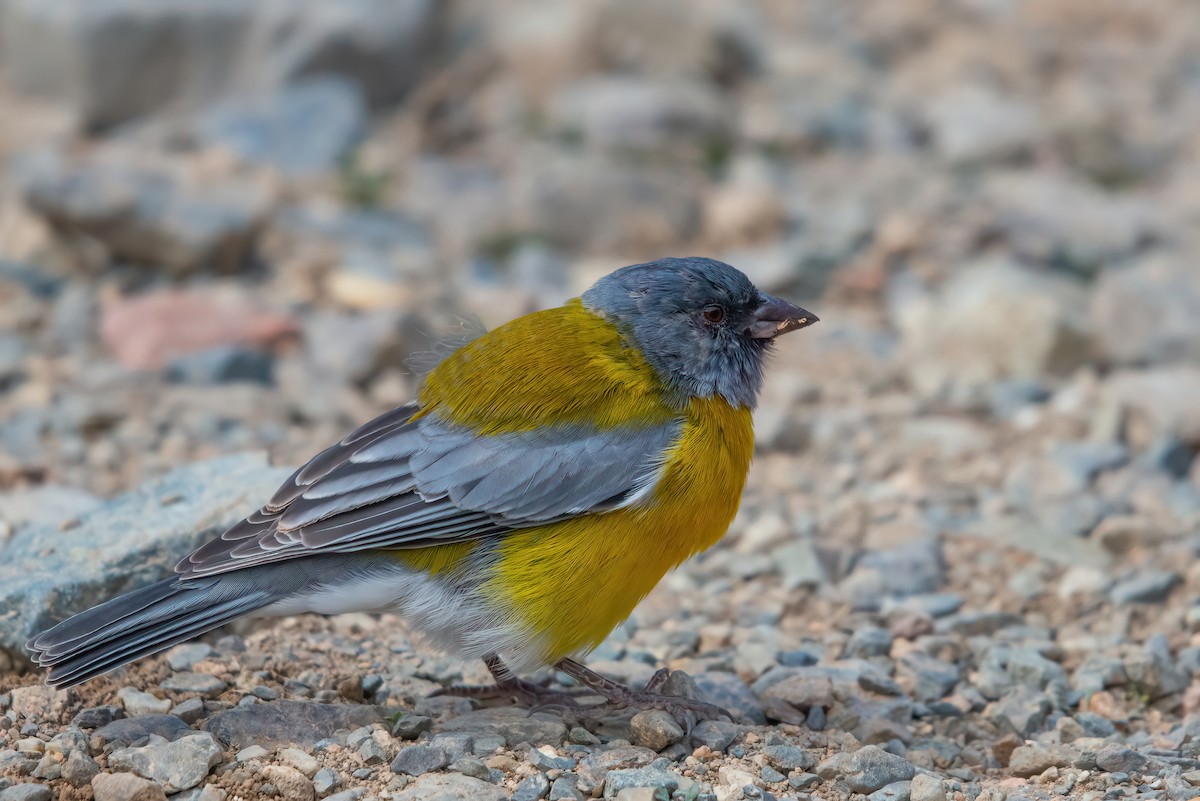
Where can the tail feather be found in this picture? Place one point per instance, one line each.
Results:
(110, 617)
(141, 623)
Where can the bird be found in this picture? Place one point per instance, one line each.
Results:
(547, 476)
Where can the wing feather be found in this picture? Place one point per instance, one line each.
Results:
(405, 482)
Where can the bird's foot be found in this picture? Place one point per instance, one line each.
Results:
(686, 711)
(535, 695)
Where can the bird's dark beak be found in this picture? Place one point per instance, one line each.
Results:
(774, 317)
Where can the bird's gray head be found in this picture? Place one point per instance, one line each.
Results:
(701, 323)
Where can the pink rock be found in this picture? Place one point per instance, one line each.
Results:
(146, 331)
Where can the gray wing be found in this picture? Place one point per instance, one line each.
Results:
(402, 483)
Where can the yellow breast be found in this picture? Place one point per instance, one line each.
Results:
(572, 582)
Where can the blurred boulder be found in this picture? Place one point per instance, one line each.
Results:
(144, 213)
(148, 331)
(603, 205)
(972, 123)
(222, 364)
(355, 348)
(1148, 313)
(630, 112)
(47, 574)
(1052, 219)
(117, 60)
(302, 130)
(368, 259)
(991, 321)
(1158, 404)
(45, 505)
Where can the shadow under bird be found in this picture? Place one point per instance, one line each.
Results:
(549, 475)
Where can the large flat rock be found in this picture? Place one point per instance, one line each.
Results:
(47, 574)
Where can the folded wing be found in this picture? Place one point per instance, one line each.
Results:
(399, 482)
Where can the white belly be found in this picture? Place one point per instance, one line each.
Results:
(453, 618)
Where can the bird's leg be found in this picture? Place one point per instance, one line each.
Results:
(528, 693)
(686, 711)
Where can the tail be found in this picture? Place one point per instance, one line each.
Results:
(144, 622)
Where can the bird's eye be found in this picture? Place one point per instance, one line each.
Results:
(714, 314)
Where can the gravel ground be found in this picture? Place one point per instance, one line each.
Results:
(964, 567)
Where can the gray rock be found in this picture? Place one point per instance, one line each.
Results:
(583, 201)
(145, 214)
(514, 725)
(729, 692)
(373, 752)
(14, 349)
(991, 321)
(563, 789)
(787, 758)
(896, 791)
(1117, 758)
(325, 781)
(291, 783)
(1035, 758)
(1146, 587)
(650, 777)
(128, 731)
(1098, 672)
(281, 723)
(968, 624)
(870, 768)
(44, 506)
(532, 788)
(925, 787)
(126, 787)
(417, 760)
(16, 763)
(461, 744)
(912, 569)
(185, 657)
(353, 794)
(1149, 312)
(973, 123)
(1153, 673)
(470, 766)
(772, 776)
(138, 703)
(931, 678)
(355, 348)
(1027, 666)
(450, 787)
(594, 767)
(409, 727)
(715, 734)
(178, 765)
(542, 761)
(1023, 710)
(26, 792)
(304, 129)
(217, 50)
(1158, 399)
(188, 682)
(136, 538)
(655, 729)
(868, 641)
(251, 753)
(79, 768)
(630, 112)
(96, 716)
(226, 364)
(1049, 217)
(1078, 463)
